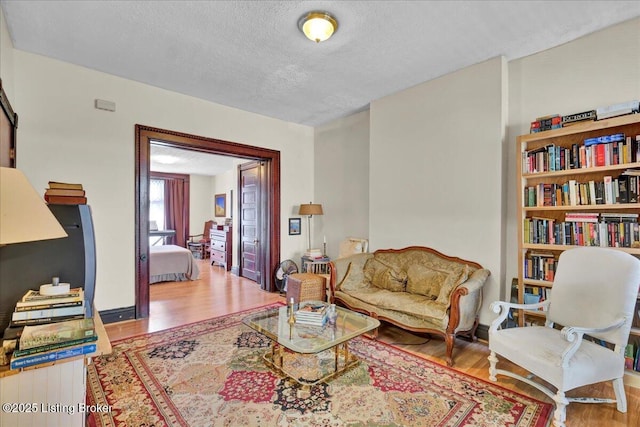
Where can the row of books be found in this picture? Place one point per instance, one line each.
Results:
(556, 121)
(609, 191)
(63, 193)
(632, 357)
(603, 151)
(536, 294)
(540, 266)
(617, 230)
(35, 308)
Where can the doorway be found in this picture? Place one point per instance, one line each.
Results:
(144, 137)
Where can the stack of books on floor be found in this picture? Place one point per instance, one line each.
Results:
(312, 314)
(63, 193)
(54, 341)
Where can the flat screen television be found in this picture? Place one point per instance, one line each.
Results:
(25, 266)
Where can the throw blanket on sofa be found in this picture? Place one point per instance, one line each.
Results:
(171, 263)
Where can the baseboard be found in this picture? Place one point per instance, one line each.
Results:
(482, 332)
(118, 314)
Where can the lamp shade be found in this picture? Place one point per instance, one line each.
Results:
(24, 216)
(310, 209)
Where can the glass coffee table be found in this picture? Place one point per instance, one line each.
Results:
(293, 341)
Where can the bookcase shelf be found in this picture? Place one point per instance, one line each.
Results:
(545, 160)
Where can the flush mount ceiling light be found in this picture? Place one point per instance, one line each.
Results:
(318, 26)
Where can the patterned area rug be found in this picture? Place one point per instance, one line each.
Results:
(212, 373)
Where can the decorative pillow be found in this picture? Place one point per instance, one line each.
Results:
(453, 280)
(422, 280)
(384, 276)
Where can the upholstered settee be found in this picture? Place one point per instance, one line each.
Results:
(416, 288)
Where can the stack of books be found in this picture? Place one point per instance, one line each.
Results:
(312, 314)
(62, 193)
(37, 309)
(540, 124)
(48, 343)
(314, 253)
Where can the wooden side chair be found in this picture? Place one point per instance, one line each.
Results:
(201, 243)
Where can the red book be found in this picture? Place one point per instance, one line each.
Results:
(65, 200)
(600, 155)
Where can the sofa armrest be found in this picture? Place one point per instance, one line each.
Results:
(466, 301)
(348, 271)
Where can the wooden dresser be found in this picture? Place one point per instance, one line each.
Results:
(221, 246)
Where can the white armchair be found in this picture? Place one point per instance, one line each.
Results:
(594, 293)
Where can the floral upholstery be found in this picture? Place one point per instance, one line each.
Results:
(413, 288)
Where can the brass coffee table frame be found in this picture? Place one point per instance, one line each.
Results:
(304, 339)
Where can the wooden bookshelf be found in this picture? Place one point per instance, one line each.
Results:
(553, 208)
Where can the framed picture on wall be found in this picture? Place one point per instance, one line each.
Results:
(220, 205)
(294, 226)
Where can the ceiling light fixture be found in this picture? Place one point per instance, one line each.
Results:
(318, 26)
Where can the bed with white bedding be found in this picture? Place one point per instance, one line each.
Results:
(171, 263)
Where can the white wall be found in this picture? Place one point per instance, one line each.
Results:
(596, 70)
(436, 168)
(63, 138)
(200, 202)
(6, 59)
(341, 182)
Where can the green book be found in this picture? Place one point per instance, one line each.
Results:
(53, 335)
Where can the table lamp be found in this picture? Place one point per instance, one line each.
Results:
(24, 216)
(310, 210)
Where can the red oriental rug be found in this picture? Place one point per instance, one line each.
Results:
(211, 373)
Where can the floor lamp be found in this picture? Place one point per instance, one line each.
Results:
(310, 210)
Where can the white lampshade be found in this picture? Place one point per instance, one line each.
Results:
(24, 216)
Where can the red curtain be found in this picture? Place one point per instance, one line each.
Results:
(174, 204)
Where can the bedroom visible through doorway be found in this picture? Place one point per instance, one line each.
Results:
(145, 137)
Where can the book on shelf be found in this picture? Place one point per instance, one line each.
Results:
(41, 305)
(64, 185)
(47, 313)
(52, 356)
(43, 320)
(619, 109)
(629, 353)
(52, 336)
(64, 192)
(35, 295)
(65, 200)
(74, 298)
(37, 336)
(571, 119)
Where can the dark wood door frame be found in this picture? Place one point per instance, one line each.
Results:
(144, 136)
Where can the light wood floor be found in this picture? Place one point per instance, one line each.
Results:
(218, 293)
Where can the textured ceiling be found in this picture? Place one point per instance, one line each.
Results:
(250, 54)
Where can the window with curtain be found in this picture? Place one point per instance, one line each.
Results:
(156, 203)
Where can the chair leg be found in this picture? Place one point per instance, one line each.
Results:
(621, 397)
(560, 414)
(493, 360)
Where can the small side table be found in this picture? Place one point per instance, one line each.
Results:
(315, 265)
